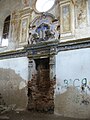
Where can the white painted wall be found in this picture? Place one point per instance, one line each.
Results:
(72, 71)
(72, 67)
(19, 65)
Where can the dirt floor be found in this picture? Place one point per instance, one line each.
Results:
(27, 115)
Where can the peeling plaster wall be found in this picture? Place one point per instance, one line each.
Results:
(13, 81)
(72, 94)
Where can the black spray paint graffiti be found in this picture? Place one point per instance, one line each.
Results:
(81, 99)
(75, 83)
(83, 85)
(78, 83)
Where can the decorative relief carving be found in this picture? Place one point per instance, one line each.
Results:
(19, 25)
(15, 26)
(81, 12)
(25, 3)
(66, 17)
(44, 28)
(24, 27)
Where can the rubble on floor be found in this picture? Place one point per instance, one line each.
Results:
(5, 108)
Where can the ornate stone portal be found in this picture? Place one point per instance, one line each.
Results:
(43, 40)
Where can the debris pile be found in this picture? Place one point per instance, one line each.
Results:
(3, 107)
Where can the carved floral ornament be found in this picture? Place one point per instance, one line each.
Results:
(44, 28)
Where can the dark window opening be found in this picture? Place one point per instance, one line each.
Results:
(6, 31)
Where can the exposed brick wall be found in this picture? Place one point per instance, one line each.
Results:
(41, 92)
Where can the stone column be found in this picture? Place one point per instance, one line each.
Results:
(30, 67)
(52, 80)
(52, 67)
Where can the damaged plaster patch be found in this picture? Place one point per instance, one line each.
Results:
(22, 85)
(13, 88)
(73, 103)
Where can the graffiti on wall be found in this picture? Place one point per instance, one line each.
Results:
(78, 83)
(82, 97)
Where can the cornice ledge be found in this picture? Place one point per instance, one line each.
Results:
(74, 44)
